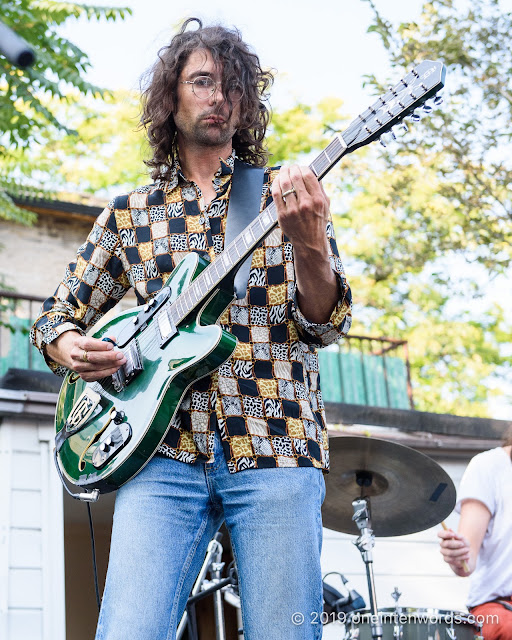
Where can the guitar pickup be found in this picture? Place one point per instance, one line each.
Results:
(166, 327)
(111, 444)
(132, 367)
(140, 321)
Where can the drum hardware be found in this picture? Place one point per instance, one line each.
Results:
(216, 568)
(365, 543)
(335, 605)
(415, 624)
(203, 588)
(395, 594)
(398, 628)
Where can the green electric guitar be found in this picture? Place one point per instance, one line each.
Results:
(106, 431)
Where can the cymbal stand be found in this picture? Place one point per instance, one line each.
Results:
(365, 544)
(203, 588)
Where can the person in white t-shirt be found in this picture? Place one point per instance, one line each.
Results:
(482, 547)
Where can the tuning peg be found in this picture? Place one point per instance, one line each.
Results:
(427, 108)
(387, 137)
(438, 100)
(399, 131)
(392, 133)
(415, 117)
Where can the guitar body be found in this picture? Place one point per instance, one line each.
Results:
(137, 417)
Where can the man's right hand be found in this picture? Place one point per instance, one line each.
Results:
(91, 358)
(455, 550)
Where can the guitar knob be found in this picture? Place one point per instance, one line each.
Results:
(104, 447)
(118, 417)
(108, 441)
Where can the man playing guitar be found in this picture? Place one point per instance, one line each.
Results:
(248, 444)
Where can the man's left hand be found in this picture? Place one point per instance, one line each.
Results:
(303, 213)
(302, 208)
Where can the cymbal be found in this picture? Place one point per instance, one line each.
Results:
(407, 491)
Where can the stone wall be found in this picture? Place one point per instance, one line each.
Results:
(33, 259)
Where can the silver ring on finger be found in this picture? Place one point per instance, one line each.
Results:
(287, 193)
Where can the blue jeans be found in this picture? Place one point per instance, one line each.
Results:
(164, 519)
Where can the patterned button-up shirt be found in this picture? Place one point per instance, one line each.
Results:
(266, 398)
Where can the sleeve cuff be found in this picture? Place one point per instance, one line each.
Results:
(335, 328)
(42, 338)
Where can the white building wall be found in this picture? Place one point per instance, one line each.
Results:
(31, 534)
(411, 563)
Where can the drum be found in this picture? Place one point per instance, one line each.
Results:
(407, 623)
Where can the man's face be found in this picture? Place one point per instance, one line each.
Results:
(204, 122)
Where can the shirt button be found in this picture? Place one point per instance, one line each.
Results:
(202, 220)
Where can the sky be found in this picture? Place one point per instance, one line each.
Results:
(317, 49)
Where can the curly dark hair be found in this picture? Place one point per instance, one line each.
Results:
(239, 64)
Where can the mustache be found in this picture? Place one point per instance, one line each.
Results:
(221, 110)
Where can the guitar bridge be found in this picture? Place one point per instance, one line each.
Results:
(131, 368)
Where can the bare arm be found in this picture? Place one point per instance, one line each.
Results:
(101, 358)
(464, 546)
(303, 219)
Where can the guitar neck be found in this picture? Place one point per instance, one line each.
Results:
(238, 250)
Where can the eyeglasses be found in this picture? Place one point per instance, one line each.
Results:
(204, 87)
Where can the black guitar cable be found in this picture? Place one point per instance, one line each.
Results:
(93, 552)
(87, 497)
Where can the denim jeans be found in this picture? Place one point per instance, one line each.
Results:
(164, 519)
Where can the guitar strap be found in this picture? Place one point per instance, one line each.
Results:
(244, 206)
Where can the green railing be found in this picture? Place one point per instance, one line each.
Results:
(358, 370)
(368, 371)
(17, 313)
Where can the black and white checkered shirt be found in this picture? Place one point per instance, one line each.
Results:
(266, 398)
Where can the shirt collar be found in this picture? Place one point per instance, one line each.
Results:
(177, 177)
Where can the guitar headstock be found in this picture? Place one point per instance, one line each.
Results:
(420, 84)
